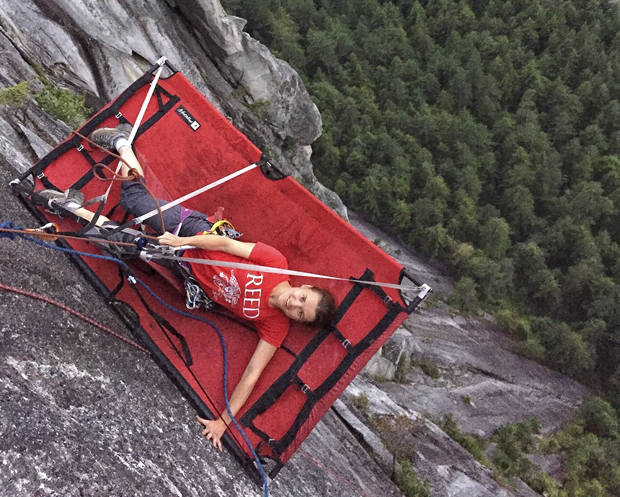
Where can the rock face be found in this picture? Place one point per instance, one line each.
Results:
(478, 380)
(99, 48)
(83, 414)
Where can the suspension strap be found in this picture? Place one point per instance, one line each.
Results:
(423, 290)
(161, 62)
(169, 205)
(163, 323)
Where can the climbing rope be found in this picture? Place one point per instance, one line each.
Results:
(132, 175)
(8, 228)
(11, 235)
(48, 300)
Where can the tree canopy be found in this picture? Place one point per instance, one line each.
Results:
(486, 134)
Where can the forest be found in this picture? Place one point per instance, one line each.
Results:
(485, 134)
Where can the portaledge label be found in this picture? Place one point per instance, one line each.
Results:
(188, 118)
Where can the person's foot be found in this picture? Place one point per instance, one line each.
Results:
(107, 137)
(70, 199)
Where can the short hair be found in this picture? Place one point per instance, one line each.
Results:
(325, 308)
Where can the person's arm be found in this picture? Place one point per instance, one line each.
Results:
(209, 242)
(214, 430)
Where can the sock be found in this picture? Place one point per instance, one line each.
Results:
(120, 142)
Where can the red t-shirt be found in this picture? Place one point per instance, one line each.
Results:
(245, 292)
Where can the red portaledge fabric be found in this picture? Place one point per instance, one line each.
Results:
(313, 367)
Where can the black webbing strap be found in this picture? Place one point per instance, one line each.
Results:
(46, 182)
(317, 394)
(111, 212)
(93, 222)
(165, 326)
(288, 377)
(273, 393)
(90, 126)
(39, 167)
(341, 338)
(95, 167)
(260, 433)
(112, 110)
(112, 296)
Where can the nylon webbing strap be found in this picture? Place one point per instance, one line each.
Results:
(169, 205)
(165, 325)
(316, 395)
(145, 104)
(424, 289)
(290, 377)
(279, 386)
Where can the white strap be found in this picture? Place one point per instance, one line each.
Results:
(136, 125)
(178, 201)
(423, 290)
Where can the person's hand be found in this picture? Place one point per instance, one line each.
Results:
(171, 240)
(214, 431)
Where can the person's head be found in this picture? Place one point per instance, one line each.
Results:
(307, 304)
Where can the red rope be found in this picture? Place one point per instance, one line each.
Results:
(75, 313)
(132, 174)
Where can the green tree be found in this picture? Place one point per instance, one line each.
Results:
(600, 418)
(286, 38)
(494, 237)
(465, 296)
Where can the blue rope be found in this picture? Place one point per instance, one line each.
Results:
(219, 333)
(9, 225)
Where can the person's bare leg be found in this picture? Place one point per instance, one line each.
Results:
(88, 216)
(131, 161)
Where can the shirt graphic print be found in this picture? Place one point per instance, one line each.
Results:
(227, 287)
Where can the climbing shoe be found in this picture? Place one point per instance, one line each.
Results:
(70, 199)
(106, 137)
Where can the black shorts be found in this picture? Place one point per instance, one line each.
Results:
(136, 201)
